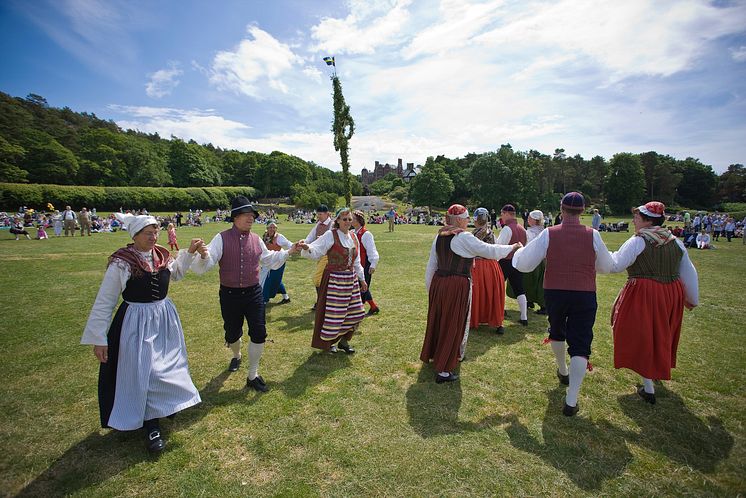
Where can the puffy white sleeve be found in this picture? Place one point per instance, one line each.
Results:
(356, 265)
(504, 236)
(283, 242)
(627, 254)
(604, 263)
(688, 276)
(272, 259)
(311, 237)
(466, 245)
(115, 280)
(181, 264)
(319, 247)
(432, 265)
(528, 257)
(214, 253)
(370, 249)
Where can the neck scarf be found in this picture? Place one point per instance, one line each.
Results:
(658, 236)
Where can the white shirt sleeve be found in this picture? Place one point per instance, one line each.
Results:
(466, 245)
(432, 265)
(311, 237)
(214, 253)
(688, 276)
(370, 249)
(283, 242)
(357, 265)
(627, 254)
(319, 247)
(115, 280)
(505, 234)
(604, 263)
(181, 264)
(272, 259)
(528, 257)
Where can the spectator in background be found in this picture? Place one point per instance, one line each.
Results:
(730, 228)
(68, 220)
(703, 240)
(596, 221)
(85, 222)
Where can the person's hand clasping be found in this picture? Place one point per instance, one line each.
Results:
(195, 245)
(101, 353)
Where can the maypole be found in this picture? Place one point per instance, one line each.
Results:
(343, 128)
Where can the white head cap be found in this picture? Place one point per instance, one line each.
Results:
(134, 224)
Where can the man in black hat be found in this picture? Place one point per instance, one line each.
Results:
(574, 254)
(239, 252)
(322, 226)
(511, 233)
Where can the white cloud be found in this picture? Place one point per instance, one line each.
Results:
(256, 62)
(369, 25)
(163, 81)
(738, 54)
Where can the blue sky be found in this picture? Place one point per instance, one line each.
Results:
(421, 77)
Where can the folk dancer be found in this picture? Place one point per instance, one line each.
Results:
(533, 282)
(488, 284)
(647, 314)
(271, 280)
(448, 281)
(323, 225)
(239, 252)
(368, 257)
(574, 254)
(511, 233)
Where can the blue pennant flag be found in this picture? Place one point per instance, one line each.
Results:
(329, 61)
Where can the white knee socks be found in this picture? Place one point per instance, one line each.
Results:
(647, 384)
(558, 348)
(255, 354)
(523, 306)
(578, 364)
(236, 348)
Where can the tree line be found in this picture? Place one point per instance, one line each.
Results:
(533, 179)
(40, 144)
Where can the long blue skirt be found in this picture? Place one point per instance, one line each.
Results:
(273, 284)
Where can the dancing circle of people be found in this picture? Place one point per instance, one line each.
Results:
(143, 371)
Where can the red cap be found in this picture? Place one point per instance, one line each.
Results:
(458, 210)
(654, 209)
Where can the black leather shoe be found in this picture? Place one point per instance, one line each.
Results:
(373, 311)
(346, 348)
(523, 322)
(154, 442)
(541, 311)
(648, 397)
(439, 379)
(564, 379)
(285, 301)
(569, 411)
(258, 384)
(235, 364)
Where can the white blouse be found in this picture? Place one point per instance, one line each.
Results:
(370, 249)
(114, 283)
(466, 245)
(633, 247)
(319, 248)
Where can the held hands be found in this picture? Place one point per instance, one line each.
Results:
(295, 249)
(517, 246)
(101, 353)
(195, 245)
(302, 245)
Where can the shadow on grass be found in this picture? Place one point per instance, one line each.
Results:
(302, 322)
(671, 429)
(484, 338)
(588, 453)
(317, 367)
(433, 408)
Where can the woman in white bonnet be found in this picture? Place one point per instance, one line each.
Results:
(143, 373)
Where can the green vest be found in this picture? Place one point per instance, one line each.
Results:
(659, 263)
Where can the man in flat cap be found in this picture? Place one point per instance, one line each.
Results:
(239, 253)
(574, 254)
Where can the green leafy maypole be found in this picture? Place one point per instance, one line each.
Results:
(343, 129)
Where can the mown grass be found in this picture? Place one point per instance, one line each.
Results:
(373, 423)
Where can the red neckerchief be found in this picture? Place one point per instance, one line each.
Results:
(131, 256)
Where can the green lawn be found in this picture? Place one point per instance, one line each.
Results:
(373, 423)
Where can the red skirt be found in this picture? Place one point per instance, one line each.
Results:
(446, 321)
(646, 322)
(487, 294)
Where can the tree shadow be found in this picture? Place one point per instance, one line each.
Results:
(317, 367)
(671, 429)
(588, 453)
(99, 456)
(294, 323)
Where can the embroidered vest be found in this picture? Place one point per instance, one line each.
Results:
(340, 257)
(239, 266)
(272, 244)
(571, 259)
(659, 263)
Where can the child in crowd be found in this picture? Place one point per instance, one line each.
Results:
(172, 242)
(41, 232)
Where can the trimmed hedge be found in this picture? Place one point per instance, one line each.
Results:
(36, 196)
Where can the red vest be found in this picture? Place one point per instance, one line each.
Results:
(272, 245)
(517, 234)
(571, 259)
(239, 265)
(363, 252)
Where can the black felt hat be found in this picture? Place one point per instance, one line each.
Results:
(240, 205)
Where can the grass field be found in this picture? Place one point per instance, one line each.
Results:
(373, 423)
